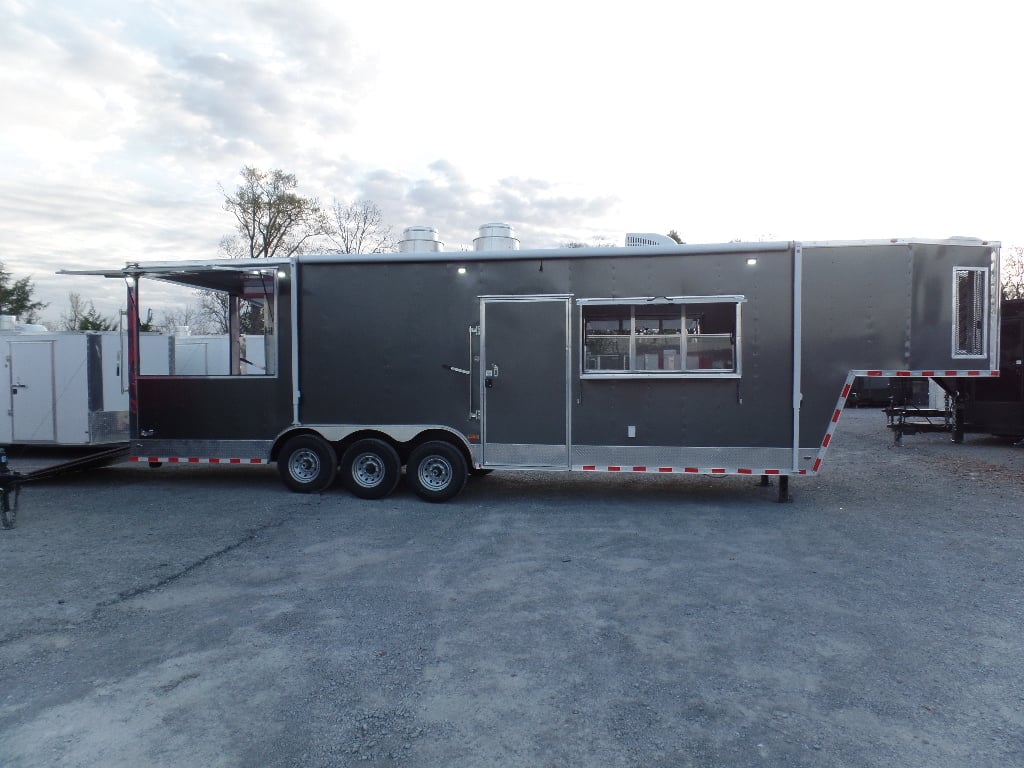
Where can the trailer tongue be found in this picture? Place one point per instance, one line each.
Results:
(12, 480)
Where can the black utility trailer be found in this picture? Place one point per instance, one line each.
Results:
(992, 405)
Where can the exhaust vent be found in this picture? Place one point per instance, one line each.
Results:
(496, 237)
(420, 240)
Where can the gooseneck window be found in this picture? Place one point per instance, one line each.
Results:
(970, 312)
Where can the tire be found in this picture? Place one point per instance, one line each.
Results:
(307, 464)
(370, 468)
(436, 471)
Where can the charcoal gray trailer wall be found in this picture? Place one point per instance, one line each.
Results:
(885, 307)
(388, 358)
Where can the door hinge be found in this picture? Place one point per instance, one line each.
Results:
(474, 330)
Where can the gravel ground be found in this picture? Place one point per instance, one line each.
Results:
(205, 616)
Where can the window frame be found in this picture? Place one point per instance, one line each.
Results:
(979, 314)
(241, 290)
(654, 301)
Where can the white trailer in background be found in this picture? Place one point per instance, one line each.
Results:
(70, 388)
(63, 388)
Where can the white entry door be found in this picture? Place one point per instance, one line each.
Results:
(32, 395)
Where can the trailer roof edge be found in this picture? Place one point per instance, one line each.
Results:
(184, 266)
(547, 254)
(901, 241)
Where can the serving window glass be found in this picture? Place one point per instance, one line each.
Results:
(661, 337)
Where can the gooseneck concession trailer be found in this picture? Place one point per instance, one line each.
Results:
(704, 359)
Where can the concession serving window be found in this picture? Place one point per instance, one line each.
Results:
(662, 337)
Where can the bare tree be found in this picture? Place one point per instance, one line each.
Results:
(272, 218)
(234, 247)
(1012, 269)
(213, 313)
(185, 317)
(359, 228)
(213, 309)
(82, 315)
(76, 311)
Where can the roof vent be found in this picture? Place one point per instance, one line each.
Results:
(496, 237)
(649, 238)
(420, 240)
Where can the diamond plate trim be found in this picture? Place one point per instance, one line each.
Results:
(203, 449)
(525, 455)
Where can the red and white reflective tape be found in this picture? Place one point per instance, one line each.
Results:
(924, 374)
(194, 460)
(833, 422)
(682, 470)
(844, 396)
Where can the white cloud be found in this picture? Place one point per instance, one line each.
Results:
(567, 120)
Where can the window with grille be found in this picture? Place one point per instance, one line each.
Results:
(970, 311)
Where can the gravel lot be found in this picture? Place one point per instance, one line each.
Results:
(205, 616)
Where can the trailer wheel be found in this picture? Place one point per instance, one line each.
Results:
(307, 464)
(436, 471)
(370, 468)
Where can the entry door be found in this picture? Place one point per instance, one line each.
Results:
(32, 388)
(524, 381)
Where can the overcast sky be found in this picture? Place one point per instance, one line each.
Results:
(568, 120)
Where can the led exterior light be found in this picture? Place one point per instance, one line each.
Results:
(751, 262)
